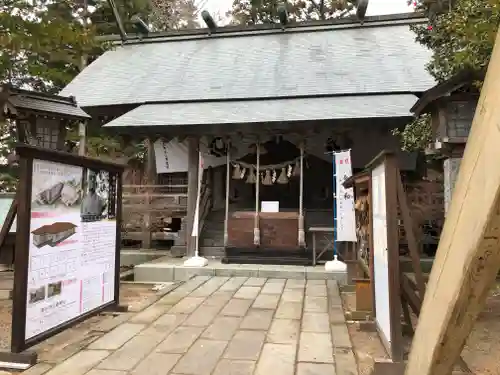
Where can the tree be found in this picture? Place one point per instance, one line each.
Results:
(461, 35)
(246, 12)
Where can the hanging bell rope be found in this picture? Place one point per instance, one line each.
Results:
(256, 229)
(228, 179)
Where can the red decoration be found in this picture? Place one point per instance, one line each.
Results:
(429, 27)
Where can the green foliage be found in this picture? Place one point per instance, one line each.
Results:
(416, 135)
(245, 12)
(461, 35)
(41, 43)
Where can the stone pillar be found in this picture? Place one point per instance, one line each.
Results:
(193, 163)
(451, 167)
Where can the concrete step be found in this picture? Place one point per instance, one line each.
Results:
(212, 251)
(168, 269)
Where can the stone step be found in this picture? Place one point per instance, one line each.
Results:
(212, 251)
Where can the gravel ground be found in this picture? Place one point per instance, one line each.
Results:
(480, 353)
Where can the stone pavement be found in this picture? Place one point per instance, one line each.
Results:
(227, 326)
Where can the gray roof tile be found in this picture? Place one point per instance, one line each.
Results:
(47, 105)
(328, 61)
(233, 112)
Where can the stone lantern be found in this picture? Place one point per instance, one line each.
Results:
(451, 106)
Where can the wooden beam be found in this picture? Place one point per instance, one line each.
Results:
(468, 256)
(7, 224)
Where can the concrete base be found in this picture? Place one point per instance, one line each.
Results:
(133, 257)
(167, 269)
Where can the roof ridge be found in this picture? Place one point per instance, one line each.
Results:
(263, 29)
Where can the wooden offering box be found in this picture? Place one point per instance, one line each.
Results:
(278, 230)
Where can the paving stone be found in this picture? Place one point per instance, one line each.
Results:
(233, 284)
(104, 372)
(315, 369)
(276, 359)
(257, 319)
(237, 307)
(201, 358)
(209, 287)
(336, 314)
(222, 328)
(130, 354)
(218, 299)
(316, 322)
(112, 322)
(245, 345)
(203, 316)
(247, 292)
(293, 295)
(193, 283)
(150, 314)
(187, 305)
(179, 340)
(289, 310)
(173, 298)
(38, 369)
(278, 280)
(315, 282)
(234, 367)
(292, 284)
(80, 363)
(316, 291)
(266, 301)
(157, 364)
(117, 337)
(273, 288)
(315, 304)
(284, 331)
(340, 336)
(170, 320)
(315, 347)
(255, 281)
(345, 362)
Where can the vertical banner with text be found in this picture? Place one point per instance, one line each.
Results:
(346, 221)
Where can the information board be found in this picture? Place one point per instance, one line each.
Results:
(72, 245)
(380, 253)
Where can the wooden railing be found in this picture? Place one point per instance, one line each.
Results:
(146, 209)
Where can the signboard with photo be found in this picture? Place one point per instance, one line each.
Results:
(72, 258)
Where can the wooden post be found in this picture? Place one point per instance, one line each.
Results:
(256, 229)
(226, 206)
(468, 256)
(193, 163)
(301, 234)
(150, 180)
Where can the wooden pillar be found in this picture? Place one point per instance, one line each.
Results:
(193, 164)
(468, 256)
(150, 180)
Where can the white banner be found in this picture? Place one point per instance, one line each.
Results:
(196, 220)
(346, 220)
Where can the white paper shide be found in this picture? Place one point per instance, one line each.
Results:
(346, 220)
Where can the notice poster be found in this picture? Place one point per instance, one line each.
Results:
(72, 244)
(346, 219)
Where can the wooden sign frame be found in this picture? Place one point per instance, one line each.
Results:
(393, 344)
(27, 155)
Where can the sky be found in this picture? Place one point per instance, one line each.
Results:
(375, 7)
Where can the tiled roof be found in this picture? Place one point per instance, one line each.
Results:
(274, 110)
(376, 57)
(47, 105)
